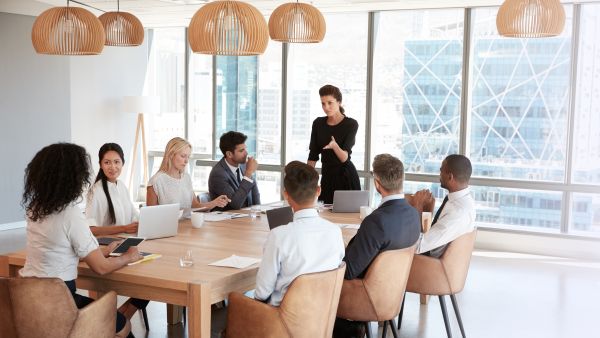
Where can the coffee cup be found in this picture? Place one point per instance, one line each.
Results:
(365, 211)
(197, 219)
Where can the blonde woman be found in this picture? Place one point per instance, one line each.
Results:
(172, 184)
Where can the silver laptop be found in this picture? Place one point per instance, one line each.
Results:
(158, 221)
(279, 216)
(349, 200)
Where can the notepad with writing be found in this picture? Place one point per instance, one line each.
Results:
(235, 261)
(146, 256)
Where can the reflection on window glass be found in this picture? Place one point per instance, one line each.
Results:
(269, 186)
(269, 105)
(236, 99)
(585, 214)
(200, 103)
(340, 60)
(586, 146)
(517, 208)
(417, 86)
(166, 78)
(200, 177)
(519, 102)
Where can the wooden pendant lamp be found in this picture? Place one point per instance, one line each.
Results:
(530, 18)
(67, 31)
(122, 29)
(228, 28)
(297, 22)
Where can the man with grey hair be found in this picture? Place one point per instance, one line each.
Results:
(395, 224)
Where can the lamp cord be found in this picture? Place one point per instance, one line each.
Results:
(81, 3)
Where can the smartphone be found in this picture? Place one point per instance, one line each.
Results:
(123, 247)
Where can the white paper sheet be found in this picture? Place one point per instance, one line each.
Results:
(348, 226)
(237, 262)
(216, 216)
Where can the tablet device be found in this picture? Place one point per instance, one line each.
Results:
(279, 216)
(107, 240)
(123, 247)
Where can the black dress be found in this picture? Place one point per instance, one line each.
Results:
(335, 174)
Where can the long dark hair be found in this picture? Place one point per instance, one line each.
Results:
(106, 147)
(56, 176)
(333, 91)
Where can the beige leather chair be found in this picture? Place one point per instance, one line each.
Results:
(444, 276)
(307, 310)
(378, 296)
(44, 307)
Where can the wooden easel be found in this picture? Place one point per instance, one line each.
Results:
(140, 126)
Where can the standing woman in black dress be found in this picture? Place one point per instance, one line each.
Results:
(333, 137)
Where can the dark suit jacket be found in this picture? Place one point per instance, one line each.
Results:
(223, 182)
(394, 225)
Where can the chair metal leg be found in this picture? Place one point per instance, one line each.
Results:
(367, 330)
(145, 316)
(445, 314)
(384, 334)
(184, 317)
(393, 327)
(401, 312)
(457, 313)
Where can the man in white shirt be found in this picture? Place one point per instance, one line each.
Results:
(456, 215)
(308, 244)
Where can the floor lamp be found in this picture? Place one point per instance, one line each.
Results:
(140, 105)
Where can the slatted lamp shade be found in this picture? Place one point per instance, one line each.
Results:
(228, 28)
(530, 18)
(67, 31)
(122, 29)
(297, 22)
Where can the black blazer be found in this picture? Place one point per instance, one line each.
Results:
(222, 181)
(394, 225)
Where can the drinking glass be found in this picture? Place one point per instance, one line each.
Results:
(187, 259)
(255, 211)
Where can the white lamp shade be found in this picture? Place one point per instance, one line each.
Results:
(141, 104)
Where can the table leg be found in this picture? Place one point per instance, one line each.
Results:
(4, 269)
(174, 313)
(198, 310)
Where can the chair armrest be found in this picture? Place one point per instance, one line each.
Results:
(97, 319)
(247, 317)
(355, 303)
(427, 276)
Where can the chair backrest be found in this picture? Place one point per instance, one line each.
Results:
(44, 307)
(456, 260)
(309, 306)
(7, 324)
(378, 296)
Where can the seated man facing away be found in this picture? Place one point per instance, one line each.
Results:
(456, 215)
(232, 175)
(308, 244)
(393, 225)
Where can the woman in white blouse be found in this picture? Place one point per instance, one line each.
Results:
(108, 201)
(58, 235)
(172, 184)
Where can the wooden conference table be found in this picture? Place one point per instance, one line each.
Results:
(198, 286)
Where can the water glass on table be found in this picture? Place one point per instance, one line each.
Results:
(320, 206)
(255, 211)
(187, 259)
(425, 221)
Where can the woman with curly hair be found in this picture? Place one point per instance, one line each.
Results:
(172, 184)
(58, 235)
(108, 201)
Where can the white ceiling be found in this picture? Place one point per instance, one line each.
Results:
(158, 13)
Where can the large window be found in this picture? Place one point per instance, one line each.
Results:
(524, 110)
(417, 72)
(340, 60)
(166, 79)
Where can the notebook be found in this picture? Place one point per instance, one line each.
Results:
(349, 200)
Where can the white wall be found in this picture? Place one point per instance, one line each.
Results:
(34, 107)
(46, 99)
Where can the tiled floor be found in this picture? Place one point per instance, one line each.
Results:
(506, 296)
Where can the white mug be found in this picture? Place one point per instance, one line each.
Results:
(365, 211)
(197, 219)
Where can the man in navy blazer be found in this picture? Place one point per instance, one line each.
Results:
(395, 224)
(233, 174)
